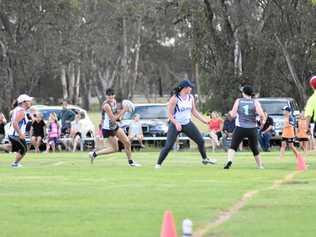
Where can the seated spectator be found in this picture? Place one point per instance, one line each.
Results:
(75, 132)
(53, 132)
(37, 130)
(135, 131)
(66, 116)
(215, 126)
(265, 133)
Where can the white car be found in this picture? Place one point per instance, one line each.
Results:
(87, 127)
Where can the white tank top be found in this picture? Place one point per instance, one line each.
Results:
(182, 113)
(107, 123)
(21, 123)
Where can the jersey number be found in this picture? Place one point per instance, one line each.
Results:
(246, 109)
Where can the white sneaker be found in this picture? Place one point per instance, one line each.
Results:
(134, 164)
(207, 161)
(16, 165)
(157, 166)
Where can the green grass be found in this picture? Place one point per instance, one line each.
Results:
(61, 194)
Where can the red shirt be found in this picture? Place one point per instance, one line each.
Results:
(215, 125)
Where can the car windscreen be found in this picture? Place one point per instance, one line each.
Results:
(47, 112)
(273, 107)
(149, 112)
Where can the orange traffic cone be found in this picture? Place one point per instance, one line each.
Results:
(300, 163)
(168, 228)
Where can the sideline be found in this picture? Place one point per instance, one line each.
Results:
(234, 209)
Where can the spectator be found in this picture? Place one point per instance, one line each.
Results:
(135, 131)
(75, 132)
(265, 132)
(66, 116)
(53, 132)
(38, 131)
(228, 129)
(215, 126)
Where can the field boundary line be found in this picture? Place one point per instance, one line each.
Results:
(226, 215)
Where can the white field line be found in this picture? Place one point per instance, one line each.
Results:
(58, 163)
(234, 209)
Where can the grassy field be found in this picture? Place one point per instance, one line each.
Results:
(61, 194)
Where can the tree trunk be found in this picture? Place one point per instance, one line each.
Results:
(63, 80)
(124, 78)
(297, 83)
(77, 86)
(71, 81)
(86, 92)
(139, 27)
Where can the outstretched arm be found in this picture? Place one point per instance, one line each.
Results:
(197, 114)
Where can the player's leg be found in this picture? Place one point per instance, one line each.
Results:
(237, 137)
(253, 144)
(171, 139)
(192, 132)
(120, 134)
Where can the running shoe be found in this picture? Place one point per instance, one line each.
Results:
(134, 164)
(157, 166)
(208, 161)
(16, 165)
(228, 165)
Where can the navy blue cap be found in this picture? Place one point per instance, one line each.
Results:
(185, 83)
(286, 108)
(248, 90)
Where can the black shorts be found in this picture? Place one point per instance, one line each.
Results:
(18, 145)
(240, 133)
(288, 140)
(109, 133)
(302, 139)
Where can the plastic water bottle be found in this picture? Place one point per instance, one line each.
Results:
(187, 228)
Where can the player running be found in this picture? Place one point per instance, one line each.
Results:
(112, 131)
(180, 107)
(245, 110)
(17, 128)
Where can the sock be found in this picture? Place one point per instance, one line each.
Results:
(130, 161)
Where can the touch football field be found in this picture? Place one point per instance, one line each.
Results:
(61, 194)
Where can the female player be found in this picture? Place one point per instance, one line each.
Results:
(245, 110)
(112, 131)
(180, 107)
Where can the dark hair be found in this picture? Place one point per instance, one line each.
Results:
(14, 103)
(176, 91)
(109, 92)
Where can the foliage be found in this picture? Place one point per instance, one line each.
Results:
(78, 48)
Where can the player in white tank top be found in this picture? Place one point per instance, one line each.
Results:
(180, 108)
(183, 109)
(17, 129)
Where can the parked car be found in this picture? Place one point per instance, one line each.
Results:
(154, 119)
(87, 128)
(273, 106)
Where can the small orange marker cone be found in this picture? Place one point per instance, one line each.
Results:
(300, 163)
(168, 228)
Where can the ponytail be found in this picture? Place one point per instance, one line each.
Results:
(176, 91)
